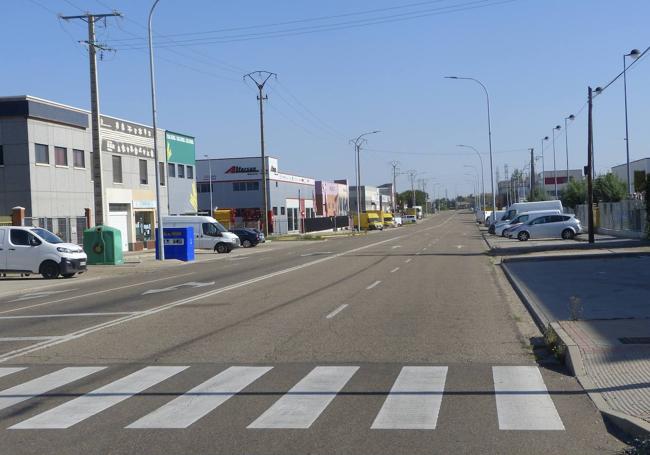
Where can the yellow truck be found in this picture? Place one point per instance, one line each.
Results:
(369, 221)
(225, 216)
(386, 218)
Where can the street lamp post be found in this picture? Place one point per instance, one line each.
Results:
(487, 98)
(210, 171)
(633, 54)
(566, 143)
(159, 234)
(482, 171)
(557, 128)
(357, 149)
(544, 139)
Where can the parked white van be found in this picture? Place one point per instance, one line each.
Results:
(36, 250)
(208, 232)
(521, 207)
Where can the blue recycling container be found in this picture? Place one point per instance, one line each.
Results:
(178, 243)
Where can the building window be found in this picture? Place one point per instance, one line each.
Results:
(252, 186)
(78, 158)
(2, 156)
(60, 156)
(117, 169)
(203, 188)
(161, 171)
(42, 154)
(282, 212)
(144, 177)
(275, 211)
(190, 172)
(181, 171)
(171, 169)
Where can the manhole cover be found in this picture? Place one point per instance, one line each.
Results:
(635, 340)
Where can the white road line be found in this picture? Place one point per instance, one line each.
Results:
(523, 402)
(202, 399)
(302, 405)
(424, 249)
(414, 400)
(337, 311)
(69, 315)
(396, 246)
(88, 330)
(394, 270)
(44, 384)
(103, 291)
(373, 284)
(72, 412)
(408, 260)
(43, 338)
(7, 371)
(35, 295)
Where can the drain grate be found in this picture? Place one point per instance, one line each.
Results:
(635, 340)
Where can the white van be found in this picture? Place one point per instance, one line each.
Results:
(208, 232)
(521, 207)
(36, 250)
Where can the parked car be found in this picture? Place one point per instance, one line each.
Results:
(397, 220)
(37, 250)
(490, 221)
(409, 219)
(260, 234)
(502, 227)
(208, 232)
(248, 237)
(549, 226)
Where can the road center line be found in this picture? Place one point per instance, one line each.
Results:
(407, 261)
(373, 284)
(88, 330)
(394, 270)
(337, 311)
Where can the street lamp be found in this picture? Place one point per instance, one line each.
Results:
(487, 97)
(634, 54)
(210, 171)
(482, 172)
(557, 128)
(159, 235)
(566, 143)
(357, 148)
(544, 139)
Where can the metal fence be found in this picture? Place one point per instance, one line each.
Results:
(69, 229)
(627, 218)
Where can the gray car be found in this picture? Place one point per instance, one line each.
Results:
(549, 226)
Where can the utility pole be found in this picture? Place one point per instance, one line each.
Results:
(532, 171)
(260, 81)
(98, 187)
(590, 163)
(412, 175)
(505, 169)
(395, 165)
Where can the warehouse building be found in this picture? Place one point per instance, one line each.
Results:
(46, 163)
(236, 183)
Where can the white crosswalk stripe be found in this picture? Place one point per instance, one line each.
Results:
(302, 405)
(414, 400)
(523, 402)
(72, 412)
(44, 384)
(190, 407)
(8, 371)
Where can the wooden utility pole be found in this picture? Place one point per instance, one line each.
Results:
(588, 170)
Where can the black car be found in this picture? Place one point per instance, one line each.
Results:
(247, 237)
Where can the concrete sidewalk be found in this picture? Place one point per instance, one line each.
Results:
(599, 308)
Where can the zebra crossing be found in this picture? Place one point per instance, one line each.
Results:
(413, 402)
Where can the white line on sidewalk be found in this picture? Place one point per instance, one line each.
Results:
(373, 284)
(302, 405)
(523, 402)
(394, 270)
(414, 400)
(88, 330)
(337, 311)
(79, 409)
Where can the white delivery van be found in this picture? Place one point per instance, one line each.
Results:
(208, 232)
(521, 207)
(36, 250)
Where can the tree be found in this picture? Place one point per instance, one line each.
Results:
(406, 197)
(609, 188)
(575, 193)
(538, 194)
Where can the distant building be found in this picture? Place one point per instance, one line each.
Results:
(386, 192)
(549, 179)
(369, 196)
(639, 169)
(332, 198)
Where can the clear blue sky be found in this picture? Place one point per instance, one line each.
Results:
(536, 57)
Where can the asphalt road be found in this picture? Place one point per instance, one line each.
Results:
(406, 341)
